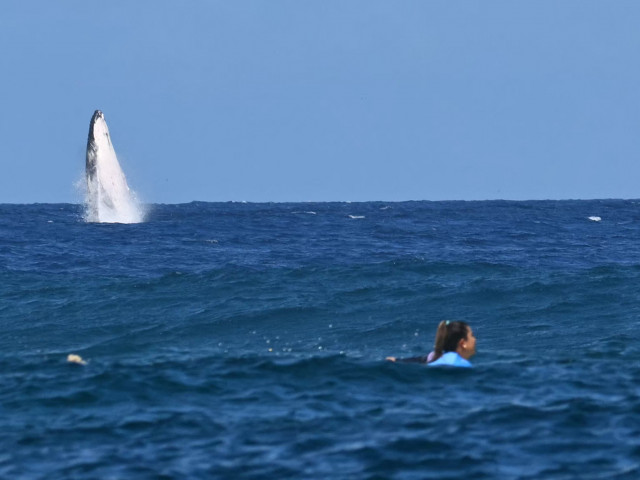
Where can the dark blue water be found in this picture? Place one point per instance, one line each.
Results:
(230, 340)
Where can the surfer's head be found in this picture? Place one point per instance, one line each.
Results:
(454, 336)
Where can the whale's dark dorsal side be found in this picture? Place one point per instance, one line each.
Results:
(92, 149)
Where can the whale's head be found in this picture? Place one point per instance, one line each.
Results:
(98, 127)
(97, 115)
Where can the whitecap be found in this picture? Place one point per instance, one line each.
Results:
(595, 219)
(356, 216)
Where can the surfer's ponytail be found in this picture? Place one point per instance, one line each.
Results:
(448, 336)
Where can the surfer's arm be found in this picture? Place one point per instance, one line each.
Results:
(422, 359)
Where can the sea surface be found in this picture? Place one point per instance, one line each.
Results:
(240, 340)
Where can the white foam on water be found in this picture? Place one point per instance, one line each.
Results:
(595, 219)
(108, 197)
(356, 216)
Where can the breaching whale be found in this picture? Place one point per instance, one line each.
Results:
(109, 198)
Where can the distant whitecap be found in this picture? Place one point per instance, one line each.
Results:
(356, 216)
(595, 219)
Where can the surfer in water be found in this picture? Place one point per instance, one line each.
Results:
(454, 346)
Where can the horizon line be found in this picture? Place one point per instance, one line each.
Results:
(349, 201)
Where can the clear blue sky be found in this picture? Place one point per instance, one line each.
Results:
(324, 100)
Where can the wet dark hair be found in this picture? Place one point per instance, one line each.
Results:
(448, 337)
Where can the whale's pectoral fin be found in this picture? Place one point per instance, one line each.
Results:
(106, 199)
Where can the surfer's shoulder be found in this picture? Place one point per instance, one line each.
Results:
(451, 359)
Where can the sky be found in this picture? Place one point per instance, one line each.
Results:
(324, 100)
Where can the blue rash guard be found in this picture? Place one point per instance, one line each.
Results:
(451, 359)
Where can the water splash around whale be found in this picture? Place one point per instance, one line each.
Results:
(108, 198)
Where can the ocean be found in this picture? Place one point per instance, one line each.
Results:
(248, 340)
